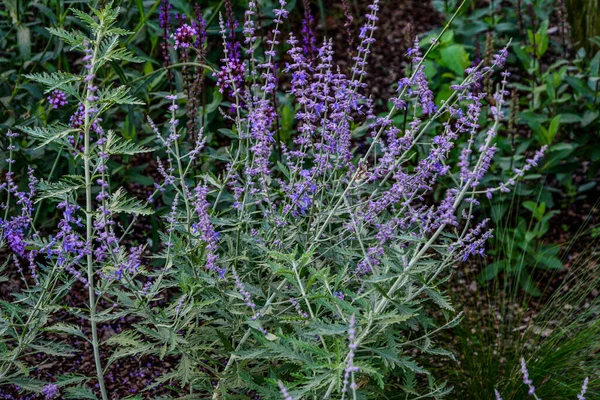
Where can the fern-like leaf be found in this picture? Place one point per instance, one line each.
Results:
(58, 190)
(49, 134)
(116, 145)
(54, 80)
(120, 202)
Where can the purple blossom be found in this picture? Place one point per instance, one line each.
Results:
(180, 304)
(58, 99)
(206, 230)
(350, 367)
(284, 392)
(50, 391)
(308, 36)
(497, 393)
(299, 310)
(245, 294)
(472, 243)
(526, 380)
(184, 36)
(584, 387)
(164, 16)
(130, 265)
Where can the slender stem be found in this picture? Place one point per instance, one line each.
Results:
(88, 218)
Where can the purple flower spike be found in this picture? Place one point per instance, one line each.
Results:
(584, 388)
(497, 393)
(206, 230)
(526, 379)
(284, 392)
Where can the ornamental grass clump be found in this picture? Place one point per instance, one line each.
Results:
(306, 268)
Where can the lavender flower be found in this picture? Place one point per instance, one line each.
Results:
(206, 230)
(584, 387)
(184, 36)
(309, 46)
(284, 392)
(58, 99)
(350, 367)
(50, 391)
(180, 304)
(245, 294)
(299, 310)
(526, 379)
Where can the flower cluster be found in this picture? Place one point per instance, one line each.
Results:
(50, 391)
(185, 36)
(58, 99)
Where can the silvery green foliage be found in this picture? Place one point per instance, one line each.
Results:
(313, 272)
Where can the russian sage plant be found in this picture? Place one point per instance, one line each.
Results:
(531, 388)
(304, 269)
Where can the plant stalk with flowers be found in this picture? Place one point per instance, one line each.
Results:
(316, 275)
(85, 250)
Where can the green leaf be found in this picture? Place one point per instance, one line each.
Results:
(24, 41)
(48, 135)
(456, 58)
(120, 202)
(54, 80)
(85, 18)
(69, 329)
(570, 118)
(441, 300)
(73, 38)
(119, 95)
(492, 270)
(58, 190)
(527, 284)
(116, 145)
(548, 261)
(79, 392)
(54, 349)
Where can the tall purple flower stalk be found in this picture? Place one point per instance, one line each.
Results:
(584, 387)
(205, 229)
(350, 369)
(526, 380)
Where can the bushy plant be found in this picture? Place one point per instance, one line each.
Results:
(310, 272)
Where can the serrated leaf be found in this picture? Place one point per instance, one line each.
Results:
(120, 202)
(69, 329)
(116, 145)
(85, 18)
(441, 300)
(73, 38)
(119, 95)
(53, 80)
(79, 392)
(58, 190)
(126, 338)
(49, 134)
(54, 349)
(319, 328)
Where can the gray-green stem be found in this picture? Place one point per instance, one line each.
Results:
(88, 219)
